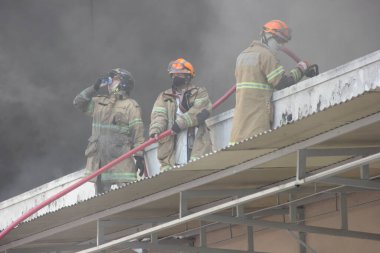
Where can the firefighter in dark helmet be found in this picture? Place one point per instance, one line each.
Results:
(117, 127)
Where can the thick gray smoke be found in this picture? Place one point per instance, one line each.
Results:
(50, 50)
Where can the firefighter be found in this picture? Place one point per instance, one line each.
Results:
(257, 73)
(117, 127)
(183, 108)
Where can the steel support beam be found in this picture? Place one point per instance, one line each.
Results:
(301, 235)
(292, 208)
(239, 211)
(134, 221)
(295, 227)
(305, 246)
(340, 169)
(268, 212)
(203, 234)
(343, 211)
(341, 151)
(301, 164)
(51, 248)
(220, 192)
(99, 233)
(364, 172)
(183, 204)
(175, 248)
(364, 184)
(256, 214)
(250, 240)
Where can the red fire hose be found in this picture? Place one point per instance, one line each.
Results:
(291, 54)
(313, 70)
(101, 170)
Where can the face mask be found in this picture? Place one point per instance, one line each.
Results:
(273, 45)
(179, 81)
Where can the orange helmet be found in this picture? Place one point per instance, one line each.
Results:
(279, 29)
(181, 66)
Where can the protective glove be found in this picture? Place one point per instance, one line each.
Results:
(202, 116)
(153, 136)
(312, 70)
(140, 165)
(175, 128)
(102, 81)
(303, 65)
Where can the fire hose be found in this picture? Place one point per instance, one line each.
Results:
(168, 132)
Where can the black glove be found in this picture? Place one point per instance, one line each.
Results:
(153, 136)
(202, 116)
(175, 128)
(312, 71)
(140, 165)
(99, 82)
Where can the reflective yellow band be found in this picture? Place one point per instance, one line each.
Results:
(252, 85)
(135, 122)
(157, 125)
(187, 119)
(200, 101)
(113, 127)
(296, 73)
(159, 109)
(278, 71)
(119, 176)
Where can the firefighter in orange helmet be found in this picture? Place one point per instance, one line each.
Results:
(183, 108)
(258, 72)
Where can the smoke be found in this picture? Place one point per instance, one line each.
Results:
(51, 50)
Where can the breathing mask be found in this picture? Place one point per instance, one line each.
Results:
(274, 44)
(179, 81)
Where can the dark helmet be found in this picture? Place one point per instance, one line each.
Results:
(126, 79)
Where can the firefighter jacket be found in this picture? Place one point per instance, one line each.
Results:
(117, 127)
(164, 115)
(257, 73)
